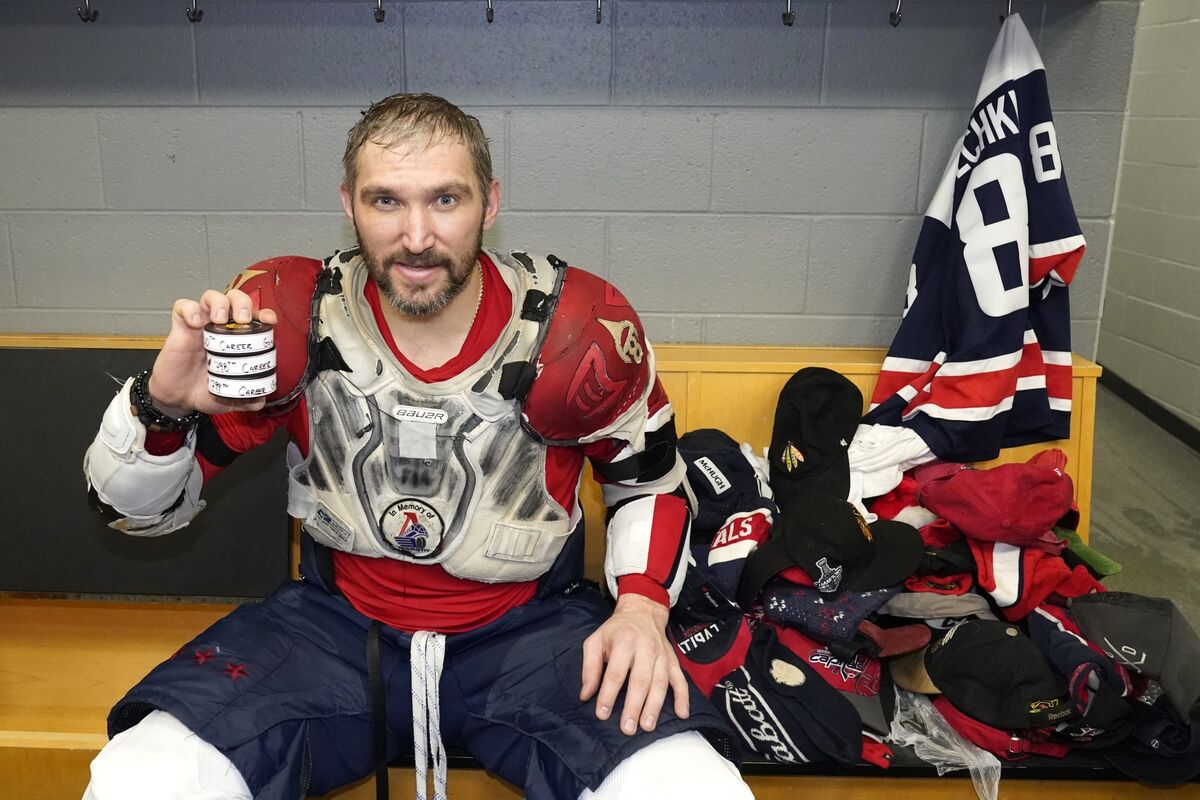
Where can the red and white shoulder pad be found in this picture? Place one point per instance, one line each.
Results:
(595, 369)
(286, 285)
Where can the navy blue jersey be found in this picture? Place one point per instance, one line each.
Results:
(982, 359)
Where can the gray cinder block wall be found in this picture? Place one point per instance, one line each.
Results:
(1150, 335)
(742, 181)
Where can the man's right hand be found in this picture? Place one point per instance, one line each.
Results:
(179, 380)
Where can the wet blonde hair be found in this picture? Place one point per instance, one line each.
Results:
(424, 118)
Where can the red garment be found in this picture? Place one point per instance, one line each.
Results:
(903, 496)
(1019, 579)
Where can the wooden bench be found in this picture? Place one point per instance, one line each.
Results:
(63, 663)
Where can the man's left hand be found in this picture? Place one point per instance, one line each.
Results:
(633, 643)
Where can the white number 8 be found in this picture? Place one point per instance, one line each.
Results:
(981, 238)
(1038, 152)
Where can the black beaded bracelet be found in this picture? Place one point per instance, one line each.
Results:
(143, 407)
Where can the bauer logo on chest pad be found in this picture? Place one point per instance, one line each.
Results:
(432, 416)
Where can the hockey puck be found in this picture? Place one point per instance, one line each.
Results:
(241, 358)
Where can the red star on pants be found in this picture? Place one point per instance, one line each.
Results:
(202, 655)
(235, 671)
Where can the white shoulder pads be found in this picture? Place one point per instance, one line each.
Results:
(157, 494)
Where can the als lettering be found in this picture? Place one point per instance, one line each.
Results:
(733, 530)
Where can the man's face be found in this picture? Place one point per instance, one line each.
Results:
(419, 217)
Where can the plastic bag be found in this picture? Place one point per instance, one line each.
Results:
(918, 725)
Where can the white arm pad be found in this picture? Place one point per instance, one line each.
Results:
(628, 546)
(157, 494)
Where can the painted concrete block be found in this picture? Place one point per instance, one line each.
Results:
(1084, 45)
(45, 320)
(1090, 145)
(1164, 141)
(938, 145)
(1167, 236)
(1164, 94)
(51, 159)
(860, 265)
(816, 161)
(1118, 355)
(1175, 285)
(807, 331)
(108, 261)
(137, 53)
(1156, 12)
(693, 263)
(673, 328)
(717, 53)
(287, 54)
(870, 63)
(1113, 320)
(1161, 188)
(1087, 287)
(8, 285)
(201, 159)
(544, 52)
(1169, 47)
(1083, 338)
(620, 160)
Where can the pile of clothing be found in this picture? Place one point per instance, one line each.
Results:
(850, 563)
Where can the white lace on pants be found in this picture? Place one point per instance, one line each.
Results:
(427, 654)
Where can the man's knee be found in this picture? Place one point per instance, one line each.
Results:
(160, 759)
(680, 767)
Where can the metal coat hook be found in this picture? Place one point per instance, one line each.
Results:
(599, 16)
(491, 15)
(194, 14)
(379, 12)
(789, 16)
(87, 13)
(1007, 13)
(895, 17)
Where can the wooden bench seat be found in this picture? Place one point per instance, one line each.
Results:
(64, 663)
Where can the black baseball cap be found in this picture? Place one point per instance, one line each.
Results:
(991, 671)
(828, 539)
(815, 419)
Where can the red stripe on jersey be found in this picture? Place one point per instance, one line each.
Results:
(1064, 264)
(1059, 381)
(982, 389)
(1032, 364)
(892, 381)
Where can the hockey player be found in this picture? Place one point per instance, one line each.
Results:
(440, 401)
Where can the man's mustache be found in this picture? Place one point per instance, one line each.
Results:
(426, 259)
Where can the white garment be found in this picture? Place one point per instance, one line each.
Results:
(683, 766)
(880, 455)
(160, 759)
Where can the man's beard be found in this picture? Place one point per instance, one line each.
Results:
(422, 302)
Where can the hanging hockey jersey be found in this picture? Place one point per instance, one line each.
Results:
(982, 358)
